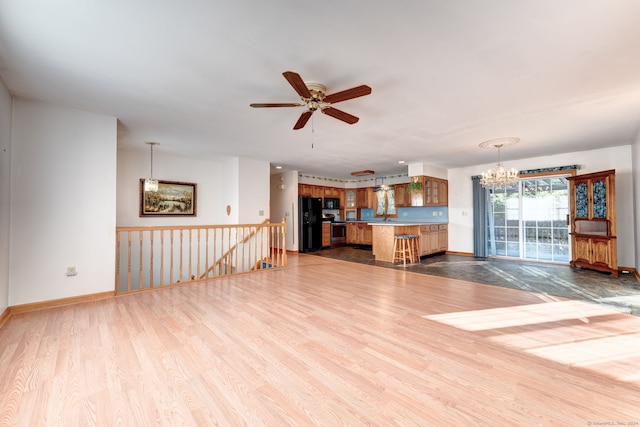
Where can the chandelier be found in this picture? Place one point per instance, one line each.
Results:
(499, 176)
(151, 184)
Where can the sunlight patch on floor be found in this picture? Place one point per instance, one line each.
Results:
(505, 317)
(603, 340)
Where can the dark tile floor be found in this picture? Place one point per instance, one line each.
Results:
(620, 293)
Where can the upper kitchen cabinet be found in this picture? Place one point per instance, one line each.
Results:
(364, 197)
(317, 191)
(304, 190)
(435, 191)
(349, 198)
(308, 190)
(332, 192)
(402, 195)
(593, 221)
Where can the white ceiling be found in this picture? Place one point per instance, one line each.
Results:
(562, 75)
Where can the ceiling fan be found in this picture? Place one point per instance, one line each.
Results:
(314, 97)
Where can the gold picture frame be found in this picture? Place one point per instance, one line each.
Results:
(173, 198)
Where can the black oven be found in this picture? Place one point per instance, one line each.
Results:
(331, 203)
(338, 234)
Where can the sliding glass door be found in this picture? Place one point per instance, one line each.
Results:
(529, 221)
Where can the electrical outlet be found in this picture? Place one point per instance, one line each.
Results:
(71, 271)
(405, 213)
(260, 213)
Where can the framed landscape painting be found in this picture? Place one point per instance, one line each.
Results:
(173, 198)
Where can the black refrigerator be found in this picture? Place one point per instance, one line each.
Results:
(309, 224)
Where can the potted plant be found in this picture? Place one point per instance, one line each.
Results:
(415, 186)
(415, 190)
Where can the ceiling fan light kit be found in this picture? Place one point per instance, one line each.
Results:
(314, 98)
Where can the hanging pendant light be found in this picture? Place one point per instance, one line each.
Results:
(499, 176)
(151, 184)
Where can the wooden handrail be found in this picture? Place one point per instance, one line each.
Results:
(219, 261)
(159, 256)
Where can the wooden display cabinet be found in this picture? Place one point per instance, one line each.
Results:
(592, 220)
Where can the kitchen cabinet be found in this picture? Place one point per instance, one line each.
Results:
(317, 191)
(308, 190)
(434, 238)
(441, 196)
(443, 237)
(326, 234)
(592, 219)
(304, 190)
(341, 197)
(364, 198)
(350, 198)
(359, 233)
(435, 191)
(402, 195)
(331, 192)
(365, 234)
(352, 232)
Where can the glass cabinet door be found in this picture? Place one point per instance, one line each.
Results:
(350, 196)
(582, 200)
(599, 188)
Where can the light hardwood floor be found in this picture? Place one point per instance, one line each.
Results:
(323, 342)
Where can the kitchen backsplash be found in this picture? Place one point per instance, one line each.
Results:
(437, 214)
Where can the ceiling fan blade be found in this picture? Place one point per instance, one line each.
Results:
(304, 118)
(296, 81)
(269, 105)
(348, 94)
(340, 115)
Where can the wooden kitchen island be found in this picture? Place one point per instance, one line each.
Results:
(433, 237)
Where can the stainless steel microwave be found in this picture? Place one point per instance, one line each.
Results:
(331, 203)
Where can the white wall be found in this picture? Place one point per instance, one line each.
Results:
(636, 194)
(423, 169)
(63, 198)
(254, 187)
(5, 193)
(242, 184)
(618, 158)
(284, 204)
(135, 164)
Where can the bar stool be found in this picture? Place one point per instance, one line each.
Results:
(405, 247)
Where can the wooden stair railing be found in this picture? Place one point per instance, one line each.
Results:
(153, 257)
(219, 263)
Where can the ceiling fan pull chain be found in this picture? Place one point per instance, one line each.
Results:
(313, 132)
